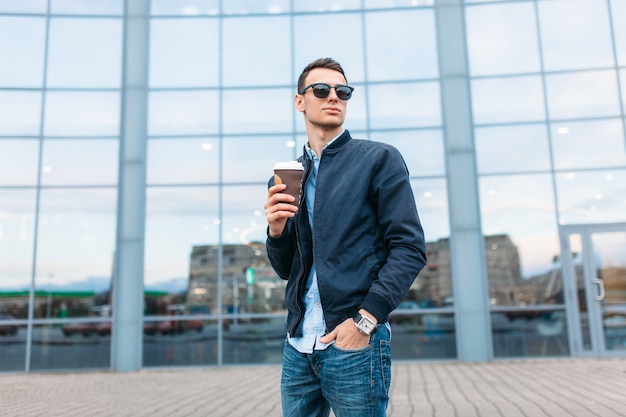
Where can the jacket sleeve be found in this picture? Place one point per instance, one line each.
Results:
(400, 228)
(280, 249)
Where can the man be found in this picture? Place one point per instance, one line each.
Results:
(350, 252)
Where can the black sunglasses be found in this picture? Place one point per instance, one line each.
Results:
(322, 90)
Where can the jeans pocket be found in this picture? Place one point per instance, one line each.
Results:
(363, 349)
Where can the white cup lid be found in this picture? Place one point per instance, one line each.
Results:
(288, 165)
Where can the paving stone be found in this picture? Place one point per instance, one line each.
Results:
(525, 388)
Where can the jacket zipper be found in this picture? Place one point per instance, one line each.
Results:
(299, 279)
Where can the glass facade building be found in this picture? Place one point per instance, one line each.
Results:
(137, 138)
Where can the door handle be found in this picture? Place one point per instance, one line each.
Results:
(601, 292)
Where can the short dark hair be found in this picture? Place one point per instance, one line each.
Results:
(320, 63)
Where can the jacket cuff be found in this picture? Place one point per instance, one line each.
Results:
(377, 306)
(277, 241)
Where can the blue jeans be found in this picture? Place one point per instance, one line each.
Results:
(355, 383)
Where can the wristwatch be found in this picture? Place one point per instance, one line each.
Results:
(365, 325)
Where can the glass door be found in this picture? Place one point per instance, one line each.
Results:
(594, 268)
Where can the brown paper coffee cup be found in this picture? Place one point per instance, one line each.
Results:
(290, 173)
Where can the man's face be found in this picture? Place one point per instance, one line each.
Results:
(328, 112)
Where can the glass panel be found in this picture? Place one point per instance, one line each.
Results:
(87, 7)
(17, 231)
(254, 340)
(347, 50)
(258, 111)
(618, 10)
(325, 5)
(257, 6)
(18, 161)
(594, 144)
(82, 113)
(518, 148)
(404, 105)
(610, 255)
(20, 112)
(577, 259)
(85, 329)
(174, 342)
(582, 94)
(244, 218)
(433, 288)
(250, 285)
(184, 53)
(529, 333)
(575, 34)
(85, 53)
(502, 39)
(521, 239)
(422, 336)
(422, 150)
(24, 6)
(12, 342)
(75, 247)
(622, 78)
(378, 4)
(187, 7)
(414, 54)
(183, 161)
(79, 162)
(432, 205)
(511, 99)
(246, 57)
(251, 159)
(508, 335)
(591, 197)
(22, 62)
(203, 288)
(183, 113)
(83, 349)
(177, 220)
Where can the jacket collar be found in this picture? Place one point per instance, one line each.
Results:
(335, 145)
(340, 141)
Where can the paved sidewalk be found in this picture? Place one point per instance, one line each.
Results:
(528, 388)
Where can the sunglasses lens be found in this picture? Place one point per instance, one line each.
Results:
(344, 93)
(321, 90)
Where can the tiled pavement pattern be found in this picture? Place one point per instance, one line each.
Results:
(528, 388)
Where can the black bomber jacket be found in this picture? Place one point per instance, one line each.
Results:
(367, 241)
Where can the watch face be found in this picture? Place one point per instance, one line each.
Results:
(365, 325)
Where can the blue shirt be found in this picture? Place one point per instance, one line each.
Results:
(313, 326)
